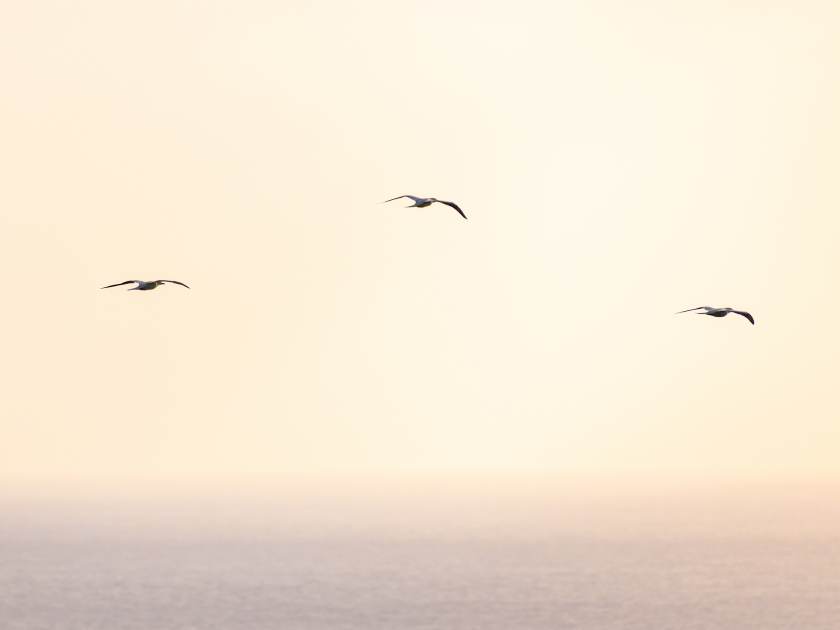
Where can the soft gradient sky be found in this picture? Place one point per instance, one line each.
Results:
(618, 162)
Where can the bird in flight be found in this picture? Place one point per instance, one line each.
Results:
(718, 312)
(425, 202)
(144, 285)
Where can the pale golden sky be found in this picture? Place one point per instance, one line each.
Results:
(618, 162)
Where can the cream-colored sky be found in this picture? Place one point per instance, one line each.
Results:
(618, 162)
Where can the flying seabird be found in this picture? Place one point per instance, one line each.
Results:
(425, 202)
(144, 285)
(718, 312)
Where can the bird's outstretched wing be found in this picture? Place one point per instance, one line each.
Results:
(696, 308)
(452, 205)
(412, 197)
(119, 284)
(174, 282)
(747, 315)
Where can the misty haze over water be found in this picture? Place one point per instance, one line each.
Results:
(460, 562)
(345, 585)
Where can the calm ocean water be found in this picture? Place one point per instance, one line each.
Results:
(584, 585)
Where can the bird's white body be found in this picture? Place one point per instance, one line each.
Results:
(146, 286)
(420, 202)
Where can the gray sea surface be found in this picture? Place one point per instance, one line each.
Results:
(353, 585)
